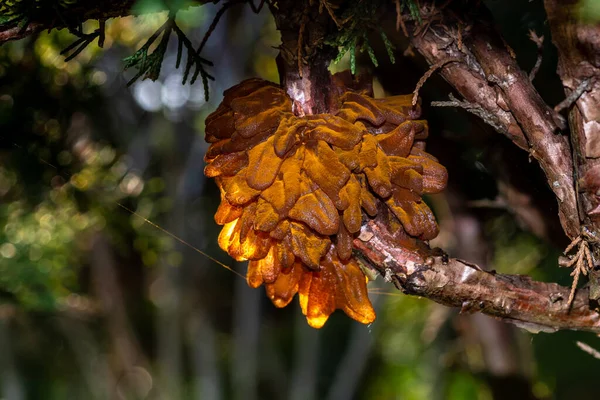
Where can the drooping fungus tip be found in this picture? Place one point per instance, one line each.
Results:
(295, 190)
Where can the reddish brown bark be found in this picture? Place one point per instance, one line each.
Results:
(578, 47)
(303, 60)
(536, 306)
(489, 77)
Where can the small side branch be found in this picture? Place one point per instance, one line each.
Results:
(476, 109)
(589, 349)
(583, 87)
(539, 42)
(84, 40)
(428, 74)
(149, 63)
(578, 46)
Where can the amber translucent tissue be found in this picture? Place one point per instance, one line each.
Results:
(295, 190)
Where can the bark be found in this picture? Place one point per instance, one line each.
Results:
(488, 76)
(303, 60)
(536, 306)
(578, 47)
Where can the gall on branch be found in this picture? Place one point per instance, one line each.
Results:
(296, 190)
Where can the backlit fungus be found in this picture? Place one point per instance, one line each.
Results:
(295, 190)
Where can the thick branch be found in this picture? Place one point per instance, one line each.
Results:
(518, 299)
(536, 306)
(490, 77)
(578, 47)
(304, 59)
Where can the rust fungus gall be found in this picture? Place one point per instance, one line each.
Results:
(295, 190)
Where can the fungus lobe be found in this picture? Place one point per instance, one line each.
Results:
(295, 190)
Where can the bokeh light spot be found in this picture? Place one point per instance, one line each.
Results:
(8, 250)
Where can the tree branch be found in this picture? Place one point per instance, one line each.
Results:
(502, 90)
(578, 46)
(488, 75)
(536, 306)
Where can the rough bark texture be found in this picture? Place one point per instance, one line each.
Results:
(489, 77)
(578, 47)
(303, 59)
(536, 306)
(304, 84)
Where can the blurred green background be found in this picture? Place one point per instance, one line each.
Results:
(97, 303)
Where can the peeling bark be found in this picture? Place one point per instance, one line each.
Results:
(535, 306)
(578, 47)
(490, 77)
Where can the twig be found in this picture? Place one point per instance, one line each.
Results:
(588, 349)
(149, 64)
(85, 39)
(538, 121)
(327, 6)
(581, 263)
(215, 22)
(193, 58)
(430, 72)
(473, 108)
(102, 33)
(399, 20)
(256, 9)
(583, 87)
(525, 117)
(539, 42)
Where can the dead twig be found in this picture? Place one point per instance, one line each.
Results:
(539, 42)
(487, 117)
(325, 3)
(583, 87)
(399, 20)
(428, 74)
(581, 263)
(588, 349)
(215, 22)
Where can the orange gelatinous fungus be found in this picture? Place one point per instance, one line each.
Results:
(295, 190)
